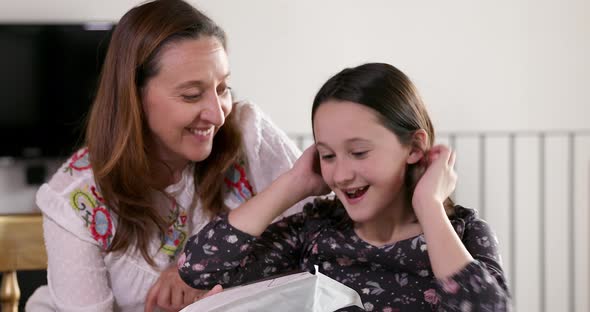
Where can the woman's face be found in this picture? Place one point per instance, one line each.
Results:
(187, 101)
(362, 161)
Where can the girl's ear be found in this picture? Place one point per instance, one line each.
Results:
(418, 147)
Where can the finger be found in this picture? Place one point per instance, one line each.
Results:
(188, 297)
(312, 148)
(441, 151)
(215, 290)
(150, 300)
(164, 298)
(452, 159)
(177, 298)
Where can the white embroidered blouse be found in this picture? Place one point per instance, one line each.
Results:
(78, 227)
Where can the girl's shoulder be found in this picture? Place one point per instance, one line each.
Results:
(464, 219)
(464, 213)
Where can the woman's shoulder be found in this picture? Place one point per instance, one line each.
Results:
(256, 127)
(72, 199)
(74, 175)
(246, 109)
(72, 171)
(267, 150)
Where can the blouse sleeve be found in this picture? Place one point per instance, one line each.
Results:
(76, 272)
(270, 152)
(222, 254)
(481, 285)
(75, 240)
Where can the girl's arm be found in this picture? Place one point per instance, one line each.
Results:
(236, 248)
(269, 151)
(445, 249)
(254, 216)
(222, 254)
(481, 283)
(468, 271)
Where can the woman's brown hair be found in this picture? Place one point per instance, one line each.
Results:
(395, 99)
(117, 134)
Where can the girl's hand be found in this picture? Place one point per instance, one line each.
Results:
(438, 181)
(171, 293)
(307, 175)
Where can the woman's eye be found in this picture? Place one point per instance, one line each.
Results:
(223, 91)
(191, 97)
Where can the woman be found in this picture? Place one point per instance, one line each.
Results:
(166, 150)
(391, 233)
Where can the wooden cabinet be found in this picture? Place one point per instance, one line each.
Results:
(21, 248)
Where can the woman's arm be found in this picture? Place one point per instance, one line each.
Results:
(76, 272)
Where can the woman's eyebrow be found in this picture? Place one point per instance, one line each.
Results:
(197, 83)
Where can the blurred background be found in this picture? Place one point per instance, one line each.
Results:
(506, 84)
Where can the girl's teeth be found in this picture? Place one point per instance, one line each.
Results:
(202, 132)
(357, 192)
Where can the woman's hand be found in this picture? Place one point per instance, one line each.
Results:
(438, 181)
(171, 293)
(307, 175)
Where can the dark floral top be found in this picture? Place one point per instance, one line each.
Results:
(394, 277)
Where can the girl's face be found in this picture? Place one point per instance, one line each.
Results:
(362, 161)
(187, 102)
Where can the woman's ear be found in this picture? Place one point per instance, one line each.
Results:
(418, 146)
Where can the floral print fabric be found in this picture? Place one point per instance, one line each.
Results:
(394, 277)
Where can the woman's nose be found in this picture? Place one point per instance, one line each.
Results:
(214, 111)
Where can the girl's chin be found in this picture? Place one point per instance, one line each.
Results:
(358, 216)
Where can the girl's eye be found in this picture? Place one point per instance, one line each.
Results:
(327, 157)
(359, 154)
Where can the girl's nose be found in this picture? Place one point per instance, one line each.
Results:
(343, 174)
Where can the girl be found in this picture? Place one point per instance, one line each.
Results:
(391, 233)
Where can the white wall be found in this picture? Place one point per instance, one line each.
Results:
(480, 65)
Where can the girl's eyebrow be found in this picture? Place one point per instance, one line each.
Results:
(322, 144)
(348, 141)
(357, 140)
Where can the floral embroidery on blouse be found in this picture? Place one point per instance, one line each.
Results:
(177, 232)
(237, 182)
(78, 162)
(89, 204)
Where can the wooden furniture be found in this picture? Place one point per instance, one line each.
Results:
(21, 248)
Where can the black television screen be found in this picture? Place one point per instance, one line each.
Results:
(48, 79)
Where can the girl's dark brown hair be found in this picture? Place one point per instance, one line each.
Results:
(391, 94)
(117, 133)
